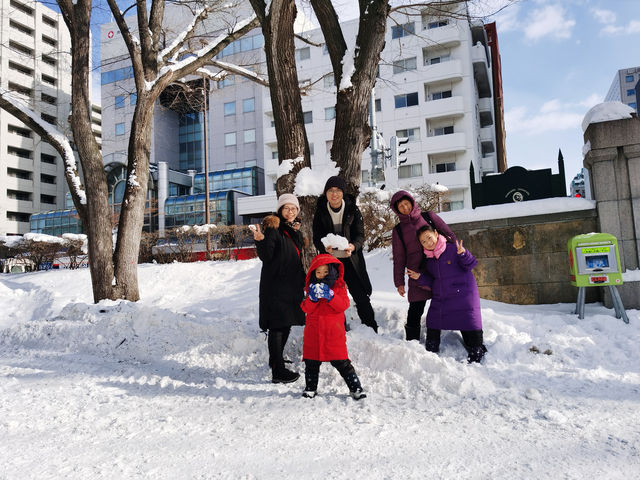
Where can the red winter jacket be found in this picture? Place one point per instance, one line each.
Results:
(324, 336)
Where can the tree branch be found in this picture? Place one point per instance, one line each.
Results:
(132, 43)
(55, 138)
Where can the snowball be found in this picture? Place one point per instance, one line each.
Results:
(335, 241)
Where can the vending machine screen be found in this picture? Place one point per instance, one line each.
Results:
(597, 261)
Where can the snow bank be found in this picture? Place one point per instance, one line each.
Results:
(605, 112)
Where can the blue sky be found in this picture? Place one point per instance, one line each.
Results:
(558, 60)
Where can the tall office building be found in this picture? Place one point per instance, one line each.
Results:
(624, 88)
(35, 65)
(435, 86)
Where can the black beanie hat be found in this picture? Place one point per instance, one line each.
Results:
(335, 181)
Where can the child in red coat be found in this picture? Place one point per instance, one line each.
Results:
(325, 339)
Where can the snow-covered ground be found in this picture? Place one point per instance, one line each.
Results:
(176, 386)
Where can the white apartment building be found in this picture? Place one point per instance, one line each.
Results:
(35, 64)
(435, 87)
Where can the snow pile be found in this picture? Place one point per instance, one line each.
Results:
(335, 241)
(177, 386)
(520, 209)
(312, 182)
(605, 112)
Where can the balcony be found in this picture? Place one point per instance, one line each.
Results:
(19, 141)
(22, 206)
(445, 107)
(442, 37)
(489, 163)
(451, 180)
(21, 184)
(455, 142)
(13, 161)
(481, 69)
(487, 135)
(451, 70)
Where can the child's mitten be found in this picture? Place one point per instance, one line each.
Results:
(313, 292)
(327, 292)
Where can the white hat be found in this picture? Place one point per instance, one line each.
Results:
(287, 198)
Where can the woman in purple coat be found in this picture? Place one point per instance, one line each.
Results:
(407, 253)
(455, 303)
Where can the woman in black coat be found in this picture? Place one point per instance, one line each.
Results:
(337, 213)
(282, 277)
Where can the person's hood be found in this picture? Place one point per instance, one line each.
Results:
(323, 259)
(415, 211)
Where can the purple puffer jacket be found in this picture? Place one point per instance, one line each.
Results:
(407, 252)
(455, 304)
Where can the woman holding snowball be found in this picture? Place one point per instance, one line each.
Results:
(337, 213)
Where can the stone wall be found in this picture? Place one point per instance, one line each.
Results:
(524, 260)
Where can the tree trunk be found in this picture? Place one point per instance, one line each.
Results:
(352, 133)
(279, 46)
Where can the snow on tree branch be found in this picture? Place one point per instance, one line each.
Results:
(170, 52)
(245, 72)
(60, 142)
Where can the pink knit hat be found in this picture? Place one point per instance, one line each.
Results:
(287, 198)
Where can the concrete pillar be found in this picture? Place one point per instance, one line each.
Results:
(163, 193)
(613, 162)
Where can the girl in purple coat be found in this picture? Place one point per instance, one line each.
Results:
(455, 303)
(407, 253)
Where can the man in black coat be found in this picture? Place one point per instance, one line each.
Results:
(337, 213)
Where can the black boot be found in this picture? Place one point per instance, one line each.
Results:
(350, 377)
(311, 375)
(280, 374)
(432, 344)
(411, 332)
(476, 354)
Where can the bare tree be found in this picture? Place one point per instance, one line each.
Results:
(156, 63)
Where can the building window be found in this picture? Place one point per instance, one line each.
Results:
(48, 118)
(243, 45)
(248, 105)
(633, 105)
(50, 199)
(230, 165)
(229, 139)
(411, 133)
(303, 53)
(439, 95)
(410, 171)
(133, 99)
(230, 108)
(445, 167)
(22, 8)
(119, 128)
(448, 130)
(116, 75)
(50, 179)
(119, 101)
(227, 81)
(435, 24)
(330, 113)
(406, 100)
(250, 135)
(23, 132)
(378, 103)
(49, 80)
(250, 163)
(399, 31)
(18, 47)
(325, 49)
(21, 68)
(631, 92)
(49, 41)
(439, 58)
(308, 117)
(46, 158)
(400, 66)
(329, 81)
(629, 78)
(274, 155)
(21, 28)
(49, 21)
